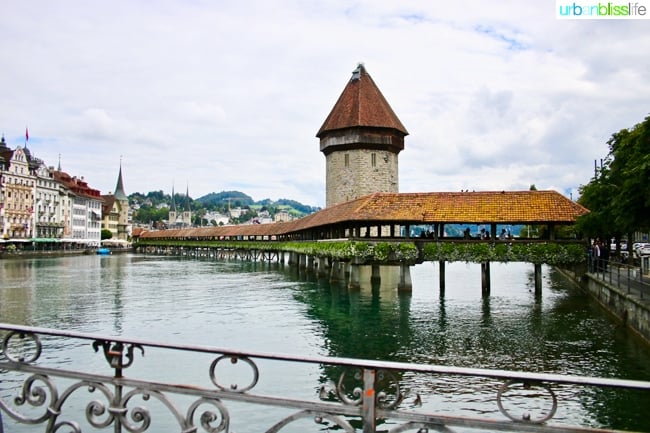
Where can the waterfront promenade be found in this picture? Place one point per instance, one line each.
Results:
(624, 291)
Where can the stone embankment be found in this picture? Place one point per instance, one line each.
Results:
(623, 292)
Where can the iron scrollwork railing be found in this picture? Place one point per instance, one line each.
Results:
(355, 395)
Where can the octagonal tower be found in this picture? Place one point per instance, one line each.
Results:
(361, 139)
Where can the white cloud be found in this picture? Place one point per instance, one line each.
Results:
(229, 95)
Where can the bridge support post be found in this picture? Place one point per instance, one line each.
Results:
(321, 264)
(302, 261)
(405, 282)
(375, 276)
(293, 258)
(354, 282)
(335, 272)
(310, 263)
(485, 278)
(538, 279)
(442, 276)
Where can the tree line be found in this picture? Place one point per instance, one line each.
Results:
(153, 207)
(618, 196)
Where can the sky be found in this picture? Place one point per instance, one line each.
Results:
(209, 95)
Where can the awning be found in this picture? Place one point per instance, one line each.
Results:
(45, 240)
(115, 242)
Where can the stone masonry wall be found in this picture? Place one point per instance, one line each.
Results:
(360, 177)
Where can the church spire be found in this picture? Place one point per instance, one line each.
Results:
(173, 205)
(187, 199)
(119, 188)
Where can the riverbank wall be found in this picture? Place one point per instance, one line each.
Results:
(24, 254)
(630, 308)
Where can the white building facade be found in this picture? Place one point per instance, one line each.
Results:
(48, 212)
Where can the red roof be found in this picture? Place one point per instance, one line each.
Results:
(499, 207)
(76, 185)
(361, 105)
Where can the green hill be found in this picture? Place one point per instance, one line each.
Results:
(154, 206)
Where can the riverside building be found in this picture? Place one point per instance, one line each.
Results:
(39, 203)
(17, 187)
(115, 211)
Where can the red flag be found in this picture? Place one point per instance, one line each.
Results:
(26, 135)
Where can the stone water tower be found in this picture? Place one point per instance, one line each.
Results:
(361, 139)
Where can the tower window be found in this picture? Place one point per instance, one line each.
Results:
(373, 159)
(347, 160)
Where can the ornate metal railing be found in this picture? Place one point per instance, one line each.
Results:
(37, 392)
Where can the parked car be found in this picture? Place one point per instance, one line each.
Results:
(642, 249)
(612, 246)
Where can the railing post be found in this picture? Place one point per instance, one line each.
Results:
(608, 267)
(368, 409)
(117, 428)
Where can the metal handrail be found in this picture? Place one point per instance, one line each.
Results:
(366, 390)
(625, 277)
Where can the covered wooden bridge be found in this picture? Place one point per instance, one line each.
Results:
(391, 218)
(393, 215)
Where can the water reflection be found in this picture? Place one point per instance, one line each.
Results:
(270, 307)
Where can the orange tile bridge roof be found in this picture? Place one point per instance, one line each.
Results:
(404, 209)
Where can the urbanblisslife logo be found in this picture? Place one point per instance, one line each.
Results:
(590, 10)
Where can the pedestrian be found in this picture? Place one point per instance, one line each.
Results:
(596, 250)
(604, 257)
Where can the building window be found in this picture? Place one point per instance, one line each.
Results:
(373, 159)
(347, 160)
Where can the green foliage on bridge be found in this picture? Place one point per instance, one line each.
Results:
(387, 252)
(538, 253)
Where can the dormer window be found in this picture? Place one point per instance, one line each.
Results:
(356, 74)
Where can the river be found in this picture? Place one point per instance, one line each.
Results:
(273, 308)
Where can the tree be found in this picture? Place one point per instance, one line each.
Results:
(618, 196)
(630, 169)
(106, 234)
(148, 214)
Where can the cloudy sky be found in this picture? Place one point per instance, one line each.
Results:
(217, 95)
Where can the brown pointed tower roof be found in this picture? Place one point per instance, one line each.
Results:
(119, 187)
(361, 105)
